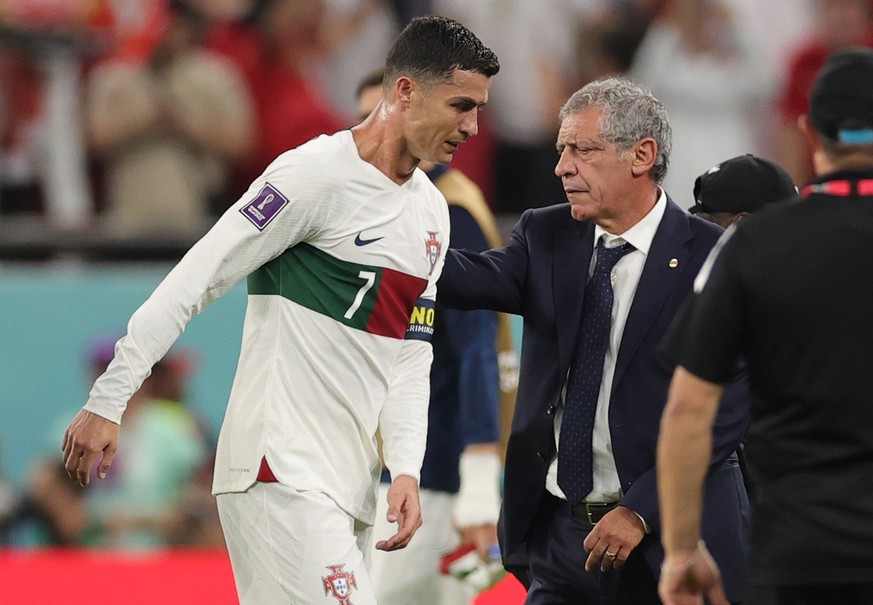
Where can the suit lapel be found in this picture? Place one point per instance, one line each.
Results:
(570, 260)
(656, 282)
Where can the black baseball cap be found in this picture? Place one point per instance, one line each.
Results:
(841, 102)
(745, 183)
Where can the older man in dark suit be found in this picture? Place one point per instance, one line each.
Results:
(597, 283)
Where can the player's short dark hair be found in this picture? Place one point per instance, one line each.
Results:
(431, 48)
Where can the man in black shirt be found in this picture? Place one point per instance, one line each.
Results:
(790, 290)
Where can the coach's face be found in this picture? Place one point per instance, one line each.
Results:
(441, 115)
(598, 178)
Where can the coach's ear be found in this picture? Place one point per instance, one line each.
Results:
(644, 154)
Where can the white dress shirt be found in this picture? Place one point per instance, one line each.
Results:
(625, 277)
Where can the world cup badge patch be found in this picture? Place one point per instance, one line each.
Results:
(340, 584)
(433, 247)
(263, 209)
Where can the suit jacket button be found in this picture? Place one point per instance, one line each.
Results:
(541, 457)
(550, 410)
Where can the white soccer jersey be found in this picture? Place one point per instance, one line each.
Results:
(338, 258)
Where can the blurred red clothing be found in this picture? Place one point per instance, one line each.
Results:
(289, 108)
(801, 74)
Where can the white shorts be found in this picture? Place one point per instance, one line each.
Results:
(292, 547)
(411, 576)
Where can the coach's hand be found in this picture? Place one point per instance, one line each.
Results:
(405, 510)
(88, 437)
(613, 538)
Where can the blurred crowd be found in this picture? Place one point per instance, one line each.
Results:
(151, 117)
(159, 492)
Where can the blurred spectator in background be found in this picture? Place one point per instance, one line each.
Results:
(44, 47)
(460, 476)
(537, 45)
(407, 10)
(193, 521)
(607, 42)
(360, 33)
(275, 46)
(707, 72)
(165, 447)
(22, 130)
(50, 513)
(149, 501)
(164, 115)
(839, 24)
(8, 505)
(776, 28)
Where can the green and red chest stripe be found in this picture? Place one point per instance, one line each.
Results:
(375, 299)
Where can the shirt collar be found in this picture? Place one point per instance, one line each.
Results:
(640, 236)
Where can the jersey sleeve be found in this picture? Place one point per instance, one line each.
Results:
(403, 420)
(274, 214)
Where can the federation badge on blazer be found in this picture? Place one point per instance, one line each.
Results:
(339, 584)
(433, 247)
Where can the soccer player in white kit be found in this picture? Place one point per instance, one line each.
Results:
(342, 241)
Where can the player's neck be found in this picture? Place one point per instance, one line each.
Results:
(381, 143)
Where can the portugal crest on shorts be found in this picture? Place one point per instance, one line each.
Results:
(340, 584)
(433, 247)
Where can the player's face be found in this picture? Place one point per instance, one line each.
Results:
(595, 174)
(442, 115)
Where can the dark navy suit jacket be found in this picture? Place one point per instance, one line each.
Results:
(540, 275)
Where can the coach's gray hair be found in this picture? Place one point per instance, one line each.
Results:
(630, 113)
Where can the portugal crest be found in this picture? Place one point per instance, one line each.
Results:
(433, 247)
(340, 583)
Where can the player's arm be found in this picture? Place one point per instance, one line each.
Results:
(403, 424)
(403, 419)
(237, 244)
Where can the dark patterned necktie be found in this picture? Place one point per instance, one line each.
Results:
(586, 373)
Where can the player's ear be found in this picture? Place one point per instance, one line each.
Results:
(404, 88)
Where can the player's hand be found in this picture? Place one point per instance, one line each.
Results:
(481, 536)
(404, 509)
(687, 577)
(613, 538)
(88, 438)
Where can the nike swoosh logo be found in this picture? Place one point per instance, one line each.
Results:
(364, 242)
